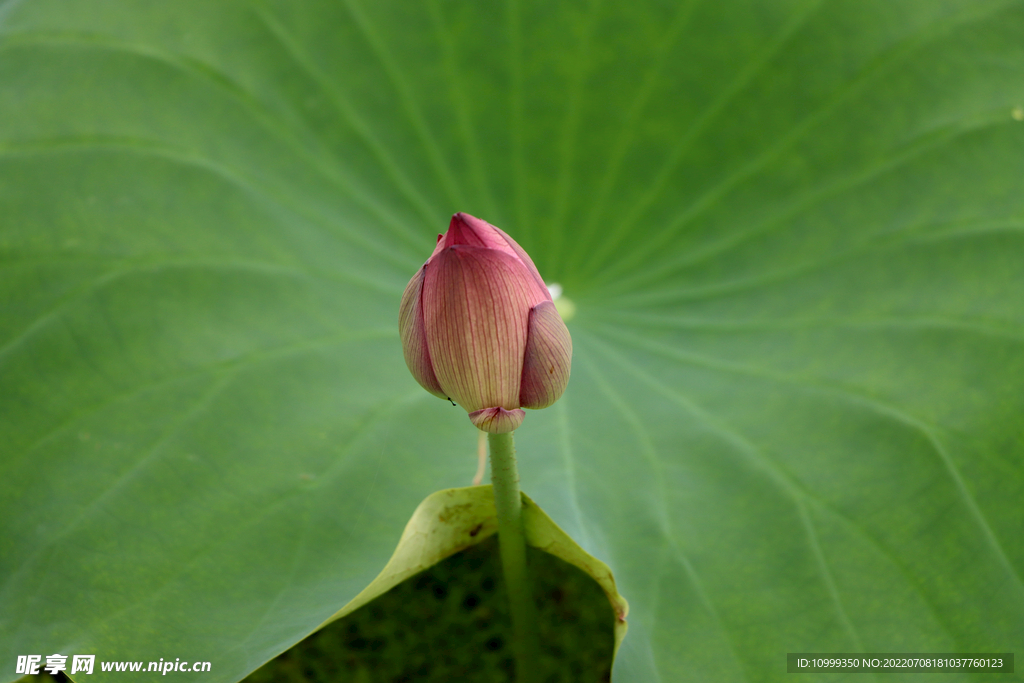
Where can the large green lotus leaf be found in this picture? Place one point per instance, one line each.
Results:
(793, 232)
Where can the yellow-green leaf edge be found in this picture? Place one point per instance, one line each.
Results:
(451, 520)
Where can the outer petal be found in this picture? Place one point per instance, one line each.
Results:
(547, 358)
(497, 420)
(525, 258)
(476, 304)
(414, 335)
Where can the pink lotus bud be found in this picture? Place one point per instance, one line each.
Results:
(478, 326)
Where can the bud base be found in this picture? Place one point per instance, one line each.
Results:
(497, 420)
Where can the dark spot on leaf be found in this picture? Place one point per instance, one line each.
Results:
(440, 591)
(475, 530)
(470, 602)
(494, 644)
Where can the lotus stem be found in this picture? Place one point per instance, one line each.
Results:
(512, 541)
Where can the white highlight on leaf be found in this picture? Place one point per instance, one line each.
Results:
(563, 304)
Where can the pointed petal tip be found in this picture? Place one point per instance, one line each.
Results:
(462, 230)
(497, 420)
(468, 220)
(468, 230)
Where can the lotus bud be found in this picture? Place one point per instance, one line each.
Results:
(478, 327)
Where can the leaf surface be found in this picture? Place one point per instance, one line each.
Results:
(792, 232)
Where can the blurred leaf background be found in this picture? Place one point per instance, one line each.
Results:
(793, 232)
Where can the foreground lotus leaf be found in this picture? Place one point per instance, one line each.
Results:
(451, 520)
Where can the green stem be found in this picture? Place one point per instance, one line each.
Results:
(509, 505)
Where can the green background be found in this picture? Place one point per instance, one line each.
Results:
(793, 230)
